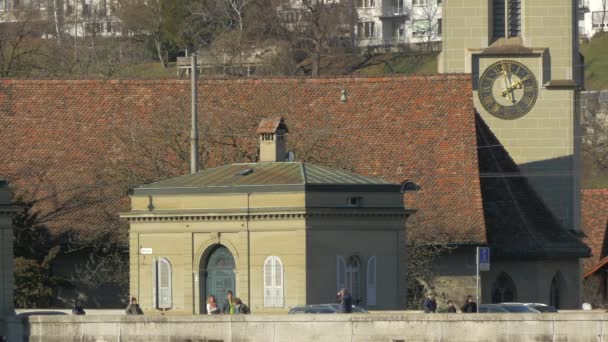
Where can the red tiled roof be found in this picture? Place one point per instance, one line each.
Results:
(594, 214)
(57, 134)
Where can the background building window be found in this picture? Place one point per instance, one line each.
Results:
(599, 19)
(366, 3)
(420, 27)
(557, 290)
(420, 2)
(371, 281)
(366, 29)
(162, 284)
(273, 282)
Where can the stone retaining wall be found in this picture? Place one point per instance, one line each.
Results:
(335, 328)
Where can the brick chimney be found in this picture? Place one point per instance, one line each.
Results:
(272, 135)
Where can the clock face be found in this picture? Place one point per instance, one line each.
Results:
(507, 89)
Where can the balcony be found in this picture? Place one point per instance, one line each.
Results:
(394, 12)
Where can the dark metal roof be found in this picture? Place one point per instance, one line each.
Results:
(270, 175)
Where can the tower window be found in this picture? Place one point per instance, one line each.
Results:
(506, 18)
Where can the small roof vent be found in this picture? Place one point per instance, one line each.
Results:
(245, 172)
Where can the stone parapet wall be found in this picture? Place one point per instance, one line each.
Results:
(336, 328)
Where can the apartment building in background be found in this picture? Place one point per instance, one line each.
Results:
(72, 17)
(392, 23)
(592, 17)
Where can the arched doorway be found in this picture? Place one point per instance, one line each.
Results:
(557, 291)
(219, 275)
(503, 289)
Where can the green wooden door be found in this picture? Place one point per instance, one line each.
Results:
(220, 275)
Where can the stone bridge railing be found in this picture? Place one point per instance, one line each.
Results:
(318, 328)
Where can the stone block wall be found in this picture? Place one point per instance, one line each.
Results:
(395, 327)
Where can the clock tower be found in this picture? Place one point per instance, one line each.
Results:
(526, 73)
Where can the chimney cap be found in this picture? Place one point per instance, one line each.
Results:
(272, 125)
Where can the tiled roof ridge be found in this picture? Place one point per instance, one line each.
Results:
(603, 191)
(253, 80)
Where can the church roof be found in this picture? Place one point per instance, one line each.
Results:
(269, 176)
(58, 136)
(594, 217)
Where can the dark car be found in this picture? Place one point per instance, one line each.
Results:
(322, 309)
(491, 308)
(518, 308)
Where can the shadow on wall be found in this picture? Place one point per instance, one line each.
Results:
(517, 214)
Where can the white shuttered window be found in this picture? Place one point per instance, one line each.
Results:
(273, 282)
(162, 289)
(371, 281)
(340, 273)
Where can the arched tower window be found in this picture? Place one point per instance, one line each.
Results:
(273, 282)
(557, 290)
(162, 290)
(503, 289)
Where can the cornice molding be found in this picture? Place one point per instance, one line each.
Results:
(167, 217)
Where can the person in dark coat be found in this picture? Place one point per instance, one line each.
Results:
(240, 307)
(469, 306)
(451, 307)
(346, 301)
(430, 304)
(133, 308)
(77, 309)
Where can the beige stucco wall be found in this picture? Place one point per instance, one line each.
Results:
(255, 226)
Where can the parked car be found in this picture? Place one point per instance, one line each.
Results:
(518, 308)
(322, 309)
(542, 307)
(491, 308)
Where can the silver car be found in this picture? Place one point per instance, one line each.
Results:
(322, 309)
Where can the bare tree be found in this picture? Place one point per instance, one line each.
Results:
(20, 43)
(426, 22)
(316, 26)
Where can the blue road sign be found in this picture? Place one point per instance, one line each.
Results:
(483, 255)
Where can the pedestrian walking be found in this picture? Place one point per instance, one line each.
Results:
(346, 301)
(212, 308)
(133, 308)
(240, 307)
(451, 307)
(469, 305)
(77, 309)
(228, 308)
(430, 304)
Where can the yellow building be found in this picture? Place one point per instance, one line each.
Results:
(276, 233)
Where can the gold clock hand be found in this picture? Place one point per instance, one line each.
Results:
(504, 73)
(516, 85)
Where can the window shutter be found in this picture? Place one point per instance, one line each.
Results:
(371, 281)
(278, 282)
(164, 281)
(154, 282)
(340, 273)
(268, 288)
